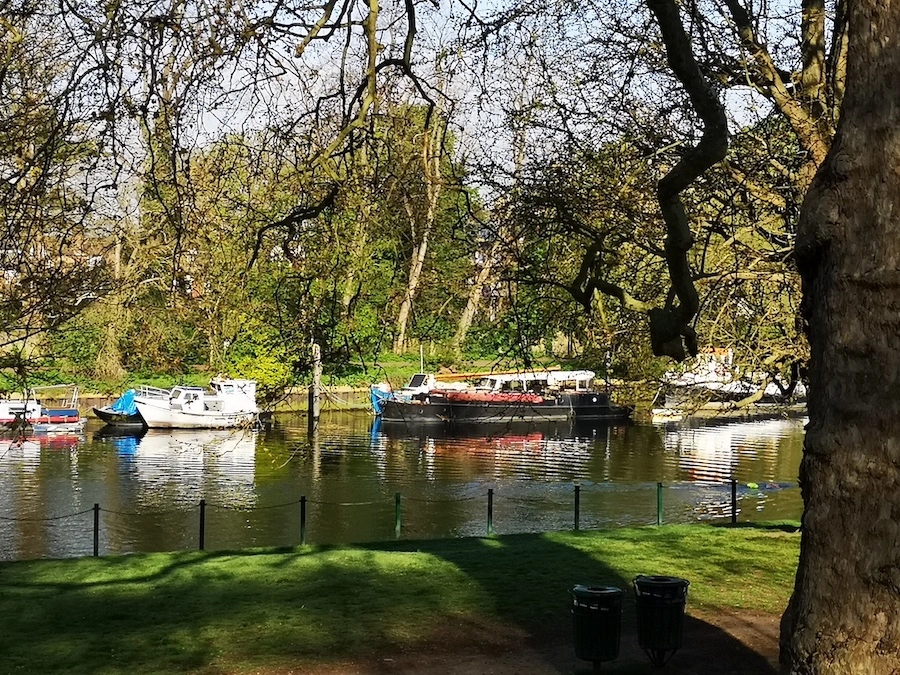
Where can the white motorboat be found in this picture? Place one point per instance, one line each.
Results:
(29, 413)
(232, 403)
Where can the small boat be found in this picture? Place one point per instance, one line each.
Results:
(712, 386)
(231, 403)
(423, 400)
(123, 412)
(28, 413)
(540, 396)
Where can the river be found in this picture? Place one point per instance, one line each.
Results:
(148, 487)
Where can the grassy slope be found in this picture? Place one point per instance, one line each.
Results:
(231, 612)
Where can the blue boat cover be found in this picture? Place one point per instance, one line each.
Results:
(125, 403)
(377, 397)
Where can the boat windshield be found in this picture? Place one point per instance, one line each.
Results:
(417, 380)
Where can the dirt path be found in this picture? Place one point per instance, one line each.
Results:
(714, 644)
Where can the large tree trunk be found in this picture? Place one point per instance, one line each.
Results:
(412, 287)
(474, 300)
(844, 616)
(432, 140)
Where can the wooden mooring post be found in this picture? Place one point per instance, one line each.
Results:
(314, 404)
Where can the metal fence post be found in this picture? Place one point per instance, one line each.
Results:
(577, 507)
(303, 520)
(490, 519)
(733, 501)
(659, 504)
(202, 524)
(96, 530)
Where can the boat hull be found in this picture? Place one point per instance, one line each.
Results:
(533, 397)
(47, 421)
(119, 419)
(456, 410)
(595, 407)
(418, 412)
(159, 417)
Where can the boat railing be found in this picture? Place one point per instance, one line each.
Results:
(67, 399)
(147, 391)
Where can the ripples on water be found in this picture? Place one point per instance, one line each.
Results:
(149, 486)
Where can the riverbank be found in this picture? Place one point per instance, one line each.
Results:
(406, 606)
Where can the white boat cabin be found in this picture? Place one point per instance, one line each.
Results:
(228, 396)
(538, 381)
(10, 409)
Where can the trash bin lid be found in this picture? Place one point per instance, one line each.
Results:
(656, 581)
(651, 583)
(588, 591)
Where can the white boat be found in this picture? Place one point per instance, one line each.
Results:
(712, 387)
(232, 403)
(21, 414)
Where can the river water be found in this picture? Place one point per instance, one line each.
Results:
(149, 487)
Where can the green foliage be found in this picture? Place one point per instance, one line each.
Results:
(258, 353)
(75, 346)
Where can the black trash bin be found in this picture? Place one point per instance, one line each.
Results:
(597, 616)
(659, 602)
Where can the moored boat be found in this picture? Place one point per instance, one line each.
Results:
(22, 414)
(123, 411)
(712, 386)
(423, 400)
(512, 397)
(231, 403)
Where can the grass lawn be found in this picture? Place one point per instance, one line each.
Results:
(234, 612)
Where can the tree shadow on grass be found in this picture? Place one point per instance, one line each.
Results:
(535, 596)
(230, 612)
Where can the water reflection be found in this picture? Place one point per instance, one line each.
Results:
(717, 451)
(149, 484)
(179, 467)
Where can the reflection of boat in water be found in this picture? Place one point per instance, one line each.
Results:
(40, 441)
(124, 438)
(541, 396)
(157, 441)
(216, 464)
(711, 451)
(535, 449)
(491, 430)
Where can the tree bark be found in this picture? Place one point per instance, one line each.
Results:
(412, 287)
(474, 300)
(844, 616)
(671, 333)
(432, 139)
